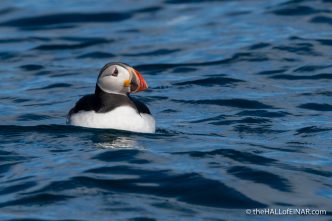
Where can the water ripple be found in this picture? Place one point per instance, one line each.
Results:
(210, 81)
(234, 155)
(316, 107)
(298, 10)
(40, 199)
(67, 18)
(258, 176)
(302, 77)
(322, 19)
(236, 102)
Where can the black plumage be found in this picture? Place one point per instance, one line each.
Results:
(102, 102)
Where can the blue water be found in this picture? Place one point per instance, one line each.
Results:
(241, 91)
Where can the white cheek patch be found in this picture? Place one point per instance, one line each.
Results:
(114, 84)
(109, 84)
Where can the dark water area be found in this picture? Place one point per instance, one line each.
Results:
(241, 91)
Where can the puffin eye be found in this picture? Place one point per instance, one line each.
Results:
(115, 72)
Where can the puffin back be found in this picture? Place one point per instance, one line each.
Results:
(140, 106)
(86, 103)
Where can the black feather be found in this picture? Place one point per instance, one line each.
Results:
(140, 106)
(102, 102)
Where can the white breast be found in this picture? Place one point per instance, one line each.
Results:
(121, 118)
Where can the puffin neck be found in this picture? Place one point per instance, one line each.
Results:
(100, 93)
(109, 101)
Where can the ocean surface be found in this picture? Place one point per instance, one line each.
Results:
(241, 91)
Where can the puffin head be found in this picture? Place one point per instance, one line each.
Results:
(120, 78)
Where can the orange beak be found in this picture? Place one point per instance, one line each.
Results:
(137, 83)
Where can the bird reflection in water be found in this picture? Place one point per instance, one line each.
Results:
(105, 141)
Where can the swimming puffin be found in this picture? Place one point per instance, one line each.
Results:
(111, 106)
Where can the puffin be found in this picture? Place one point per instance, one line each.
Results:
(112, 106)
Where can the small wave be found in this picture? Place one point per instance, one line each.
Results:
(311, 68)
(153, 53)
(97, 55)
(51, 86)
(219, 117)
(169, 111)
(239, 156)
(257, 130)
(238, 13)
(7, 55)
(32, 67)
(147, 9)
(254, 120)
(320, 172)
(297, 11)
(84, 39)
(10, 159)
(326, 42)
(238, 57)
(322, 20)
(7, 10)
(269, 72)
(48, 47)
(311, 130)
(316, 107)
(220, 121)
(5, 167)
(210, 81)
(62, 18)
(302, 77)
(118, 155)
(15, 99)
(39, 22)
(246, 121)
(236, 102)
(17, 188)
(29, 117)
(263, 113)
(184, 70)
(258, 176)
(183, 187)
(39, 199)
(189, 2)
(324, 93)
(300, 49)
(259, 46)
